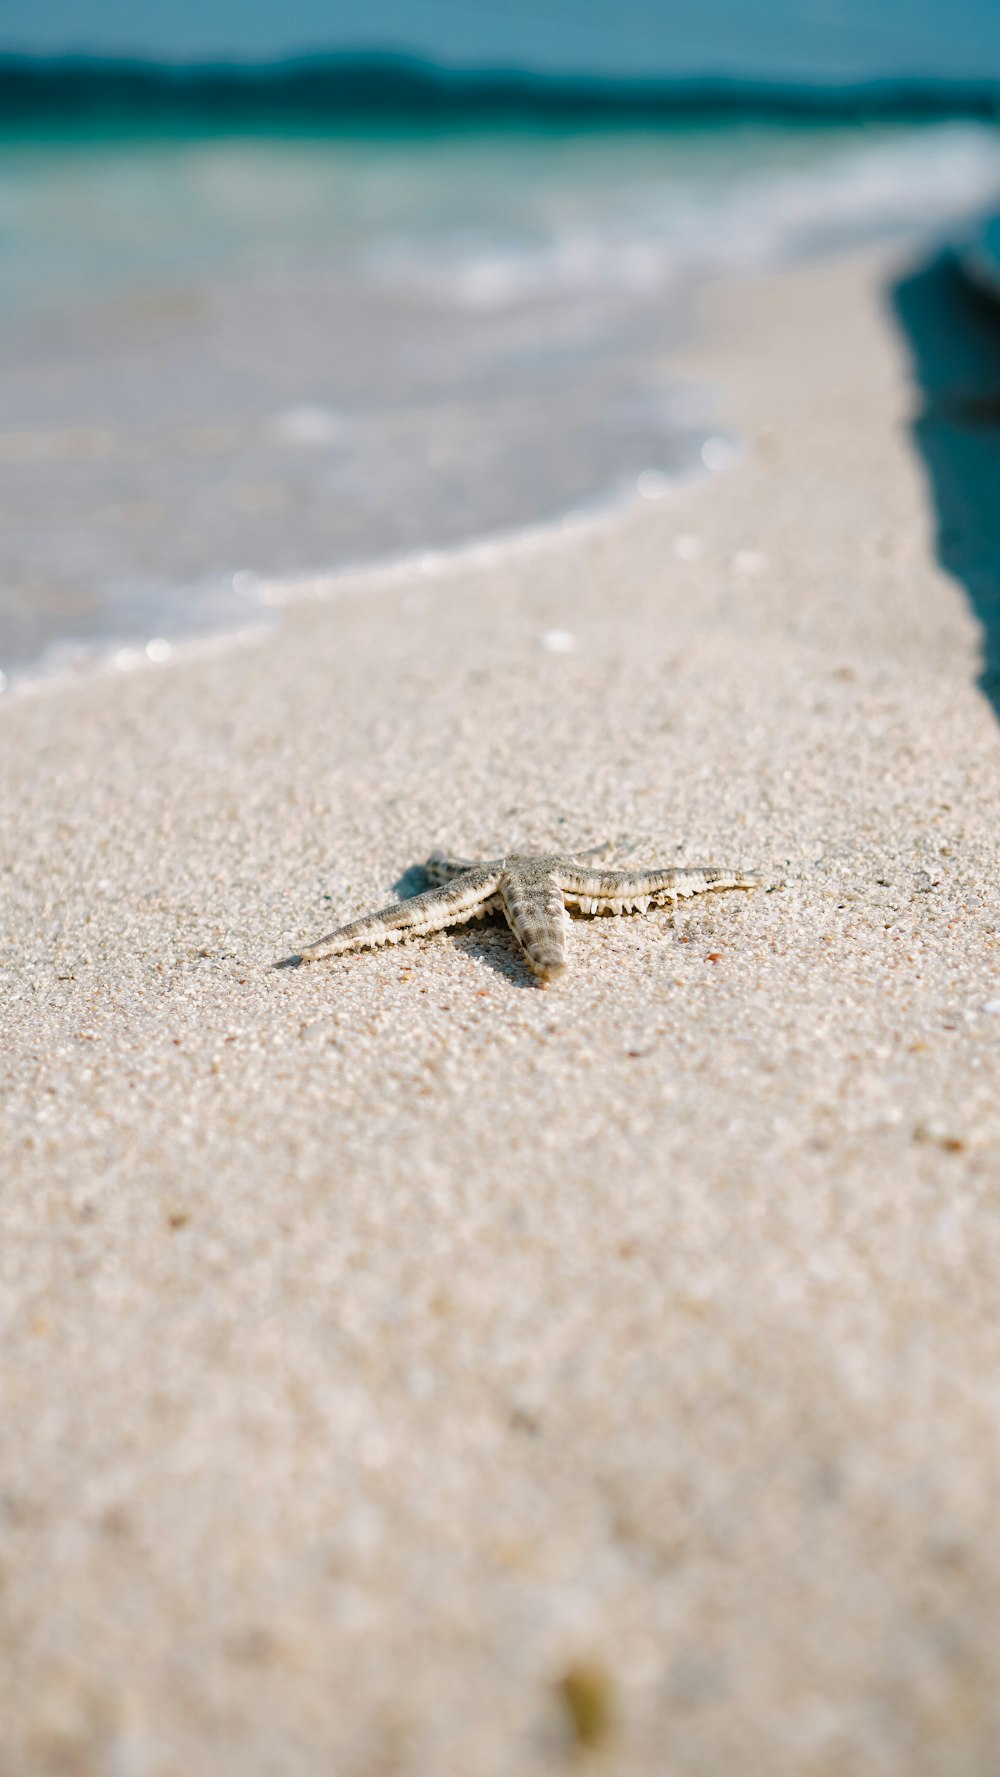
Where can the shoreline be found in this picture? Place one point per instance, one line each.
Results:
(389, 1342)
(361, 445)
(409, 568)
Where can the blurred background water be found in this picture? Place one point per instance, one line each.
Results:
(264, 335)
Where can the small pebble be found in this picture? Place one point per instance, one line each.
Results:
(749, 561)
(309, 426)
(587, 1695)
(688, 547)
(718, 453)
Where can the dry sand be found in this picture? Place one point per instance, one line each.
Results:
(409, 1372)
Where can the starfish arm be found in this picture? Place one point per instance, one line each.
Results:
(442, 867)
(627, 891)
(536, 915)
(594, 854)
(469, 897)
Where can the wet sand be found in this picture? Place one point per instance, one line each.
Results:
(408, 1370)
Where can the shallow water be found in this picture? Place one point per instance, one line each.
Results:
(289, 354)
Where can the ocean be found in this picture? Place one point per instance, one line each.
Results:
(236, 349)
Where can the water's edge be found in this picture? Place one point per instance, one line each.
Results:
(257, 600)
(305, 364)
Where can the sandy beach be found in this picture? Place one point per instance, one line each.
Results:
(411, 1372)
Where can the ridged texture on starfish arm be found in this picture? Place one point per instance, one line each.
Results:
(635, 891)
(533, 891)
(536, 914)
(469, 897)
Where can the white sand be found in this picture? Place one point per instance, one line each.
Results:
(386, 1341)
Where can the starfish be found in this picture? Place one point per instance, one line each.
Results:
(533, 891)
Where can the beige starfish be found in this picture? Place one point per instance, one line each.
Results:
(533, 892)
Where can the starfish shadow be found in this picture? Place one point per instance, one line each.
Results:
(953, 334)
(491, 939)
(412, 882)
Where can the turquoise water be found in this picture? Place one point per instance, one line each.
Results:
(804, 40)
(234, 355)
